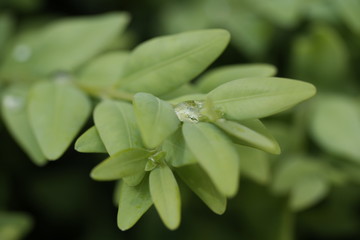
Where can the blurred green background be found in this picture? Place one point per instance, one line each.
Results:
(309, 192)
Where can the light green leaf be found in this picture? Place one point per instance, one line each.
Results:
(221, 75)
(134, 180)
(156, 119)
(250, 133)
(177, 153)
(215, 154)
(133, 203)
(259, 97)
(90, 142)
(14, 113)
(122, 164)
(166, 196)
(200, 183)
(254, 164)
(64, 45)
(307, 192)
(185, 89)
(335, 125)
(14, 225)
(190, 97)
(104, 71)
(57, 111)
(163, 64)
(115, 122)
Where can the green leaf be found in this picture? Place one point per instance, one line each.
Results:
(177, 153)
(259, 97)
(6, 30)
(335, 125)
(166, 195)
(250, 133)
(104, 71)
(90, 142)
(221, 75)
(297, 168)
(133, 203)
(156, 119)
(134, 180)
(254, 164)
(185, 89)
(321, 57)
(14, 225)
(215, 154)
(200, 183)
(15, 117)
(349, 10)
(307, 192)
(64, 45)
(285, 13)
(57, 111)
(163, 64)
(115, 122)
(122, 164)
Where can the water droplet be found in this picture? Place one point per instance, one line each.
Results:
(22, 53)
(13, 102)
(189, 111)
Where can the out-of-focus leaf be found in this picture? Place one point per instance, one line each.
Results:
(6, 30)
(200, 183)
(215, 154)
(51, 48)
(177, 153)
(162, 64)
(166, 195)
(254, 164)
(156, 119)
(349, 10)
(14, 226)
(285, 13)
(221, 75)
(122, 164)
(133, 203)
(115, 122)
(251, 133)
(90, 142)
(321, 58)
(298, 168)
(104, 71)
(250, 98)
(307, 192)
(250, 33)
(14, 112)
(57, 111)
(335, 125)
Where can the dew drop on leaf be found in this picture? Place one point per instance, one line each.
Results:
(189, 111)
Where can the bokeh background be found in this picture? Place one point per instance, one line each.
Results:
(312, 40)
